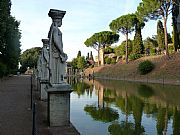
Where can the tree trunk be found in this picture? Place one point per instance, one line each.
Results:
(126, 48)
(165, 36)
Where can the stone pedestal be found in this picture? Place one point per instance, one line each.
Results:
(59, 105)
(44, 86)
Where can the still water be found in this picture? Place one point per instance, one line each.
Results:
(104, 107)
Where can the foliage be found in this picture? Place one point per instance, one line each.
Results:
(160, 35)
(79, 54)
(155, 9)
(3, 70)
(124, 24)
(175, 34)
(101, 39)
(135, 56)
(91, 56)
(108, 50)
(29, 57)
(74, 63)
(138, 47)
(121, 49)
(145, 67)
(110, 60)
(9, 38)
(81, 62)
(171, 48)
(150, 42)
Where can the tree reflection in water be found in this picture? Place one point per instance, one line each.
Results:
(105, 114)
(125, 128)
(153, 101)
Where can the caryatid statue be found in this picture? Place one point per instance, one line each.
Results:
(58, 58)
(39, 67)
(45, 60)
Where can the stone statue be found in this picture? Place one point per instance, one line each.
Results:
(39, 67)
(57, 56)
(45, 60)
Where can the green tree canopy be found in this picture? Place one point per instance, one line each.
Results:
(100, 40)
(9, 38)
(124, 24)
(81, 62)
(121, 49)
(155, 9)
(29, 58)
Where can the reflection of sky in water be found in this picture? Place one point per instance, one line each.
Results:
(86, 125)
(83, 122)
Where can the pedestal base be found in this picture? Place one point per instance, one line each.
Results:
(44, 86)
(59, 105)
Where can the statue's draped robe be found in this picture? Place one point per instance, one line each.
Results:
(57, 67)
(45, 61)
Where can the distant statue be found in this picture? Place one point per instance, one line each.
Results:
(57, 56)
(45, 60)
(39, 67)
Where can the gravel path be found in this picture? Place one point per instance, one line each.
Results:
(15, 113)
(15, 118)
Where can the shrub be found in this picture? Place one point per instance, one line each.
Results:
(108, 60)
(135, 56)
(145, 67)
(171, 48)
(113, 61)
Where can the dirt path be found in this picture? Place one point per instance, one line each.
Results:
(15, 113)
(15, 118)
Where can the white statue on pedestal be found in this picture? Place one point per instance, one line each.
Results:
(45, 60)
(57, 56)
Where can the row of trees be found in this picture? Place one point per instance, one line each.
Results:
(125, 24)
(80, 62)
(130, 105)
(9, 40)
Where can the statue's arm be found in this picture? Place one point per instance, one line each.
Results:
(57, 40)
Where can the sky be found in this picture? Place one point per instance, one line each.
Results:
(83, 18)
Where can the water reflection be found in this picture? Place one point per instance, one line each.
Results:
(128, 107)
(105, 114)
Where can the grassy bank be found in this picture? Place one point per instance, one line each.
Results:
(166, 71)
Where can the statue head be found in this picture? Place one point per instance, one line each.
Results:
(56, 16)
(45, 42)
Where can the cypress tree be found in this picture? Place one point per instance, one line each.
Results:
(138, 47)
(160, 35)
(175, 12)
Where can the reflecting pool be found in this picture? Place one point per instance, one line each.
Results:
(106, 107)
